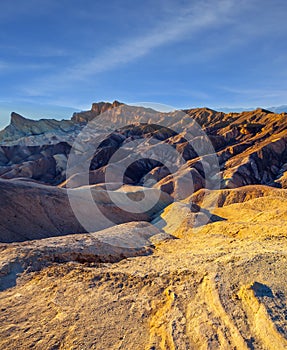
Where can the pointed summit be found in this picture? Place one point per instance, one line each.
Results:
(17, 119)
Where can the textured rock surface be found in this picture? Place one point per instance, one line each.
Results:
(21, 127)
(32, 211)
(46, 163)
(222, 287)
(109, 245)
(97, 109)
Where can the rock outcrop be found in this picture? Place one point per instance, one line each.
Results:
(32, 211)
(107, 246)
(22, 127)
(97, 109)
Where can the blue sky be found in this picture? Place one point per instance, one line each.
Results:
(70, 53)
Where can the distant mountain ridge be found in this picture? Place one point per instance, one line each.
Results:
(34, 111)
(98, 108)
(56, 130)
(277, 109)
(251, 146)
(21, 126)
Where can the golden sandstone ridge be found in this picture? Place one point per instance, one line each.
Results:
(219, 285)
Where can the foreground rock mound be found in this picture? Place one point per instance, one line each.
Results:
(222, 286)
(110, 245)
(33, 211)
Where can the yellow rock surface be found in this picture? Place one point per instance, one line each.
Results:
(220, 286)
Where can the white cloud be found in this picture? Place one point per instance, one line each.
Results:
(184, 21)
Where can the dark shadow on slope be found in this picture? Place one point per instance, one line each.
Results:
(9, 280)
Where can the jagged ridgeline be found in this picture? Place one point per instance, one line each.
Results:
(251, 148)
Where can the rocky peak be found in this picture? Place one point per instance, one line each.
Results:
(101, 107)
(20, 127)
(97, 109)
(262, 110)
(17, 120)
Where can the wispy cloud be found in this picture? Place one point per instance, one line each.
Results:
(264, 96)
(262, 92)
(40, 51)
(185, 21)
(6, 66)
